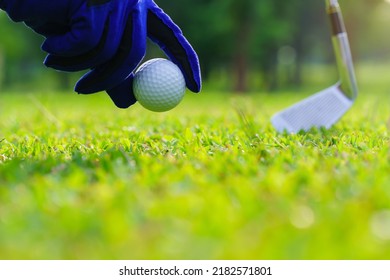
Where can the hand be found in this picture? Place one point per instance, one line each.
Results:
(107, 36)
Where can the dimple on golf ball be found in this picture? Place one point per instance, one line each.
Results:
(159, 85)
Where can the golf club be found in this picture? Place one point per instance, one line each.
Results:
(326, 107)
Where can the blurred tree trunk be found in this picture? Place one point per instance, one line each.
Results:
(1, 69)
(240, 59)
(242, 20)
(299, 50)
(311, 21)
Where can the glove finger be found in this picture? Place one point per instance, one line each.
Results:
(130, 53)
(86, 29)
(122, 95)
(103, 52)
(164, 32)
(98, 55)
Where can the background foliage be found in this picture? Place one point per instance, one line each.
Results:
(243, 45)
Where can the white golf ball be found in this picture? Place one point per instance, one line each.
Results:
(159, 85)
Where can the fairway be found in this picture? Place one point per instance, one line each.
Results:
(211, 179)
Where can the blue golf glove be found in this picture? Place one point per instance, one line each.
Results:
(106, 36)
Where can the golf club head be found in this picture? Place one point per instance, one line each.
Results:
(322, 109)
(326, 107)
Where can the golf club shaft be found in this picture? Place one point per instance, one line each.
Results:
(342, 50)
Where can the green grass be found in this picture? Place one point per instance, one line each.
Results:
(80, 179)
